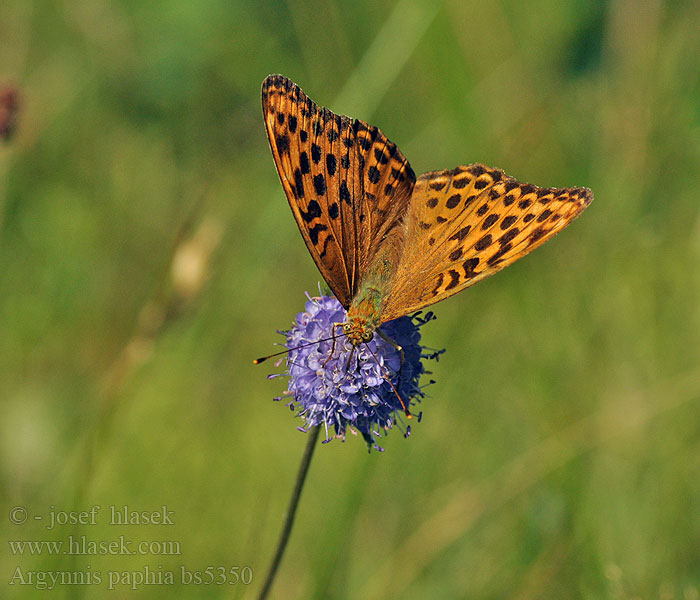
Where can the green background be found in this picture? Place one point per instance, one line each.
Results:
(147, 255)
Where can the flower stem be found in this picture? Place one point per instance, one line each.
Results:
(291, 511)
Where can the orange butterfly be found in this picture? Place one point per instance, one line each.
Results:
(387, 243)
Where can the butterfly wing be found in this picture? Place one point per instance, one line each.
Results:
(468, 223)
(346, 183)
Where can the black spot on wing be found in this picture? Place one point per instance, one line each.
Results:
(331, 164)
(508, 236)
(469, 266)
(315, 230)
(320, 184)
(461, 234)
(490, 220)
(508, 221)
(313, 211)
(453, 201)
(344, 192)
(454, 281)
(511, 185)
(380, 156)
(461, 183)
(456, 254)
(298, 184)
(304, 163)
(544, 215)
(329, 239)
(483, 243)
(537, 234)
(497, 257)
(333, 211)
(282, 143)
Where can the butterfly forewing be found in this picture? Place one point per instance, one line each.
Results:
(362, 213)
(468, 223)
(346, 183)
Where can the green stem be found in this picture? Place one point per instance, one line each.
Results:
(291, 511)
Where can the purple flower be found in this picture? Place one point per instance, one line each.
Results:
(339, 386)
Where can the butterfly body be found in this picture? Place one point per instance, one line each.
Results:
(366, 310)
(388, 243)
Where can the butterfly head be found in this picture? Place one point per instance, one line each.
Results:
(358, 330)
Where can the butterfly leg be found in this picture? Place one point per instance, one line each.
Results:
(388, 340)
(333, 346)
(388, 378)
(347, 365)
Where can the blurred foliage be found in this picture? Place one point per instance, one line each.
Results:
(147, 254)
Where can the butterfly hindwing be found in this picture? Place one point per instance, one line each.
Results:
(346, 183)
(468, 223)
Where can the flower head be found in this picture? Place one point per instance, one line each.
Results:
(365, 388)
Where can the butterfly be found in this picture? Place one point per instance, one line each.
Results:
(389, 243)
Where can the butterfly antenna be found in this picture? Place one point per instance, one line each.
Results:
(262, 359)
(393, 387)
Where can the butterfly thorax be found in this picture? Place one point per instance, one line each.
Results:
(365, 311)
(363, 316)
